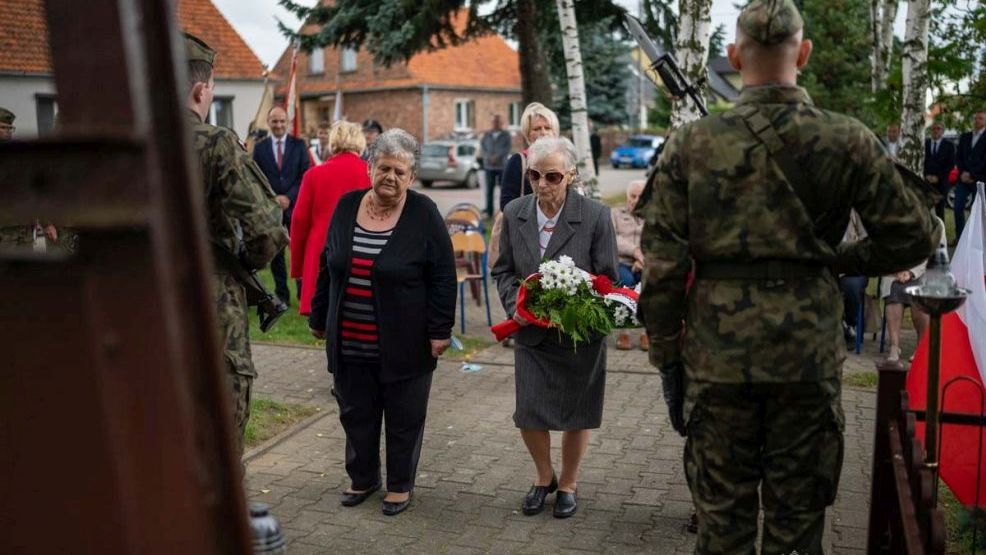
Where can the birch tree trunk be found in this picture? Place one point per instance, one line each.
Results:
(915, 81)
(876, 43)
(692, 54)
(576, 95)
(888, 17)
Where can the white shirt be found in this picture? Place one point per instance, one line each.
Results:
(976, 135)
(546, 227)
(892, 148)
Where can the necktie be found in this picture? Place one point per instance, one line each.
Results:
(280, 153)
(934, 148)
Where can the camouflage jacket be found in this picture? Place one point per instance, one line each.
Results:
(239, 200)
(718, 196)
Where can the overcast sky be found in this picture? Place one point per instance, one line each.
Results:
(256, 21)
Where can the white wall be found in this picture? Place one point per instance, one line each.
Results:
(246, 98)
(17, 94)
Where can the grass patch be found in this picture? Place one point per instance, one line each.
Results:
(866, 380)
(959, 522)
(470, 346)
(269, 418)
(615, 200)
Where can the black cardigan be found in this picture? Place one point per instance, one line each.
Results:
(413, 286)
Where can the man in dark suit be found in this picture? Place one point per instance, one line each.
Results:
(939, 157)
(971, 160)
(283, 159)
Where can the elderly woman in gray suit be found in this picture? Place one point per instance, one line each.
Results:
(557, 387)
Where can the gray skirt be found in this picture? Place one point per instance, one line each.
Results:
(558, 387)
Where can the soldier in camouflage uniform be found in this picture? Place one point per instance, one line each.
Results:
(243, 218)
(757, 199)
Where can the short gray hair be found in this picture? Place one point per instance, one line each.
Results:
(546, 146)
(395, 142)
(636, 183)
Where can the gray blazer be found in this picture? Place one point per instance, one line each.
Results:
(584, 231)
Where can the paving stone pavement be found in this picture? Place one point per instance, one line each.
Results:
(474, 469)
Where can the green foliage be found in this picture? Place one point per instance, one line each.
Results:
(605, 63)
(838, 73)
(956, 58)
(581, 316)
(661, 22)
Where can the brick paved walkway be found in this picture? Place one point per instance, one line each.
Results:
(474, 469)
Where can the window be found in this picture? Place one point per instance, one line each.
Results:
(47, 108)
(348, 62)
(465, 114)
(221, 112)
(515, 113)
(316, 62)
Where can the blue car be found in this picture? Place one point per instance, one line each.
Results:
(636, 152)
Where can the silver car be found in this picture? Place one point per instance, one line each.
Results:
(450, 160)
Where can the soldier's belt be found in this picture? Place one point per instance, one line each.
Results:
(762, 270)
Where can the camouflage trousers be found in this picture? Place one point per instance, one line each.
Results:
(234, 327)
(771, 446)
(240, 387)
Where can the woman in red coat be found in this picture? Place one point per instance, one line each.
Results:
(321, 188)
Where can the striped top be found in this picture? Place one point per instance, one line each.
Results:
(358, 334)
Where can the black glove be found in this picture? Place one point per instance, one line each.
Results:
(673, 383)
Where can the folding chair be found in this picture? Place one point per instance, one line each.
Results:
(472, 246)
(463, 220)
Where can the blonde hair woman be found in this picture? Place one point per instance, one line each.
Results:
(321, 188)
(537, 121)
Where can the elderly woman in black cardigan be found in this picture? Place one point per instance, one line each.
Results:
(385, 304)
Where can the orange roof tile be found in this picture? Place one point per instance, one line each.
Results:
(486, 62)
(24, 38)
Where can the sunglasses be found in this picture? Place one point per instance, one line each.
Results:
(553, 178)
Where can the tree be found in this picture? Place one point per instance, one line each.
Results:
(956, 59)
(882, 15)
(692, 53)
(606, 68)
(915, 81)
(838, 74)
(396, 30)
(576, 94)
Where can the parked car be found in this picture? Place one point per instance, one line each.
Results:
(450, 160)
(636, 152)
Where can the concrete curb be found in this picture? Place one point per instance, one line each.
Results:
(283, 436)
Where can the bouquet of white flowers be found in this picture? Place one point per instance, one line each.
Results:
(563, 296)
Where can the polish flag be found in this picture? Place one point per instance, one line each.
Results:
(292, 105)
(963, 368)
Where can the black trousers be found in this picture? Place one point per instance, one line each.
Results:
(279, 270)
(364, 404)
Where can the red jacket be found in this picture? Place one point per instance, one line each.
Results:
(321, 188)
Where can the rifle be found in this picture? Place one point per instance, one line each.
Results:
(665, 65)
(269, 307)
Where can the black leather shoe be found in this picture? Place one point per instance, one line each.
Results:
(390, 508)
(534, 501)
(565, 505)
(350, 499)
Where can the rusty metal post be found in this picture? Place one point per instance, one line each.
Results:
(115, 431)
(931, 427)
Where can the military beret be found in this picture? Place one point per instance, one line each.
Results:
(198, 51)
(770, 21)
(6, 116)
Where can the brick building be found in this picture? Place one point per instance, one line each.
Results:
(456, 89)
(27, 86)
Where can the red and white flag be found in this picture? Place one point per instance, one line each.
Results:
(963, 365)
(292, 106)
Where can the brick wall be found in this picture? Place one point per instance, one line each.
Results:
(398, 108)
(402, 108)
(441, 109)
